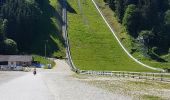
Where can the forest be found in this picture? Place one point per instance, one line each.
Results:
(18, 20)
(147, 22)
(26, 25)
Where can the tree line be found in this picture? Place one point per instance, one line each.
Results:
(147, 22)
(19, 22)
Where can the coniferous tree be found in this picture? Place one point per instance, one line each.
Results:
(23, 17)
(119, 9)
(131, 20)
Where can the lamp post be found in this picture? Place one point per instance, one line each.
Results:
(45, 48)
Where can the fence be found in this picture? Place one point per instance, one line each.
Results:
(137, 75)
(17, 68)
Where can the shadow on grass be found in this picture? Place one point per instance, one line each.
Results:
(49, 31)
(68, 7)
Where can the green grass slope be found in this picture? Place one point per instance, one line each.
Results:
(93, 47)
(122, 34)
(44, 61)
(49, 31)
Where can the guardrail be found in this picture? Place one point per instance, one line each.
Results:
(138, 75)
(64, 30)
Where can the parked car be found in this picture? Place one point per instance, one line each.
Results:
(37, 64)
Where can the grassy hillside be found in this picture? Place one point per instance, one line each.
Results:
(122, 34)
(49, 31)
(93, 46)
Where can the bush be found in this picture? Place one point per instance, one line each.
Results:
(10, 46)
(148, 38)
(154, 56)
(167, 18)
(23, 20)
(3, 29)
(131, 20)
(155, 50)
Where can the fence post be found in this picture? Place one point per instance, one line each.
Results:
(161, 77)
(111, 74)
(153, 76)
(133, 75)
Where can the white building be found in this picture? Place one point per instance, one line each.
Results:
(14, 62)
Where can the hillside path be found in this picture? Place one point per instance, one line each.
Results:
(55, 84)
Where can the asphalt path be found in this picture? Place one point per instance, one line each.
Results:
(6, 76)
(55, 84)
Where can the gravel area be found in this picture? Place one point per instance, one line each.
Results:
(6, 76)
(60, 83)
(137, 89)
(68, 87)
(54, 84)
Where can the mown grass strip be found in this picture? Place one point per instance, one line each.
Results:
(126, 40)
(93, 46)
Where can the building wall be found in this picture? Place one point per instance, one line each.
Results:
(4, 67)
(15, 65)
(12, 64)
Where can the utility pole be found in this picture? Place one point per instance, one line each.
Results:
(45, 48)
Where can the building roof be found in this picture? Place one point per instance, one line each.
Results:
(13, 58)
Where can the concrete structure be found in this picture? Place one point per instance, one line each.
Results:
(14, 62)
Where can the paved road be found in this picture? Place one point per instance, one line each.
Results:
(26, 87)
(6, 76)
(56, 84)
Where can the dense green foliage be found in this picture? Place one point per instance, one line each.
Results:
(151, 16)
(2, 29)
(131, 20)
(7, 46)
(167, 17)
(31, 23)
(23, 17)
(10, 46)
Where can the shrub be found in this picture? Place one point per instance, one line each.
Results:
(10, 46)
(131, 20)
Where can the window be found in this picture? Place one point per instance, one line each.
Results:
(4, 63)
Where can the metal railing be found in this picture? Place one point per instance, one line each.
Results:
(137, 75)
